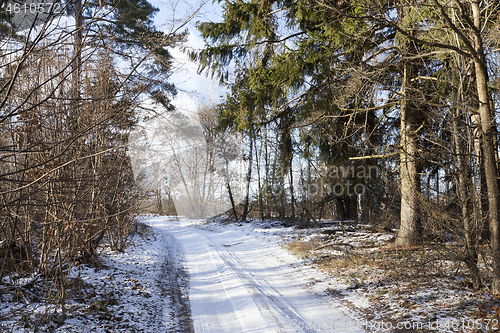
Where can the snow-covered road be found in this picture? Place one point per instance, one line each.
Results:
(240, 282)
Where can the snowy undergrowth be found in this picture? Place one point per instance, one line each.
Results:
(125, 294)
(383, 288)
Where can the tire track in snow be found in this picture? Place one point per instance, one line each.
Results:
(220, 302)
(278, 291)
(239, 283)
(270, 299)
(173, 284)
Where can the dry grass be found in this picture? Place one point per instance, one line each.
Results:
(301, 248)
(417, 283)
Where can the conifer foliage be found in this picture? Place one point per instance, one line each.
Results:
(407, 87)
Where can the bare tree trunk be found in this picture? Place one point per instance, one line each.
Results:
(471, 255)
(248, 179)
(487, 126)
(340, 209)
(159, 205)
(228, 186)
(231, 198)
(258, 154)
(481, 201)
(410, 229)
(77, 55)
(292, 195)
(266, 166)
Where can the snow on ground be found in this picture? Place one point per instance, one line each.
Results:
(390, 289)
(219, 276)
(143, 289)
(238, 277)
(243, 281)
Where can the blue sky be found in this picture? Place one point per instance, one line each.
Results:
(193, 89)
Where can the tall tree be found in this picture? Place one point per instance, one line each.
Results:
(410, 232)
(66, 181)
(335, 63)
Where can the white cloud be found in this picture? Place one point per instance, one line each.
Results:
(191, 85)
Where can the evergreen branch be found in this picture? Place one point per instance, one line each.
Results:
(267, 41)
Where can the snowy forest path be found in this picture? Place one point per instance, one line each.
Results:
(242, 283)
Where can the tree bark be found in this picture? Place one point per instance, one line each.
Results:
(258, 153)
(231, 198)
(292, 194)
(471, 255)
(77, 51)
(488, 129)
(248, 179)
(410, 232)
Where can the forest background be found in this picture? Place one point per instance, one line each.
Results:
(375, 111)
